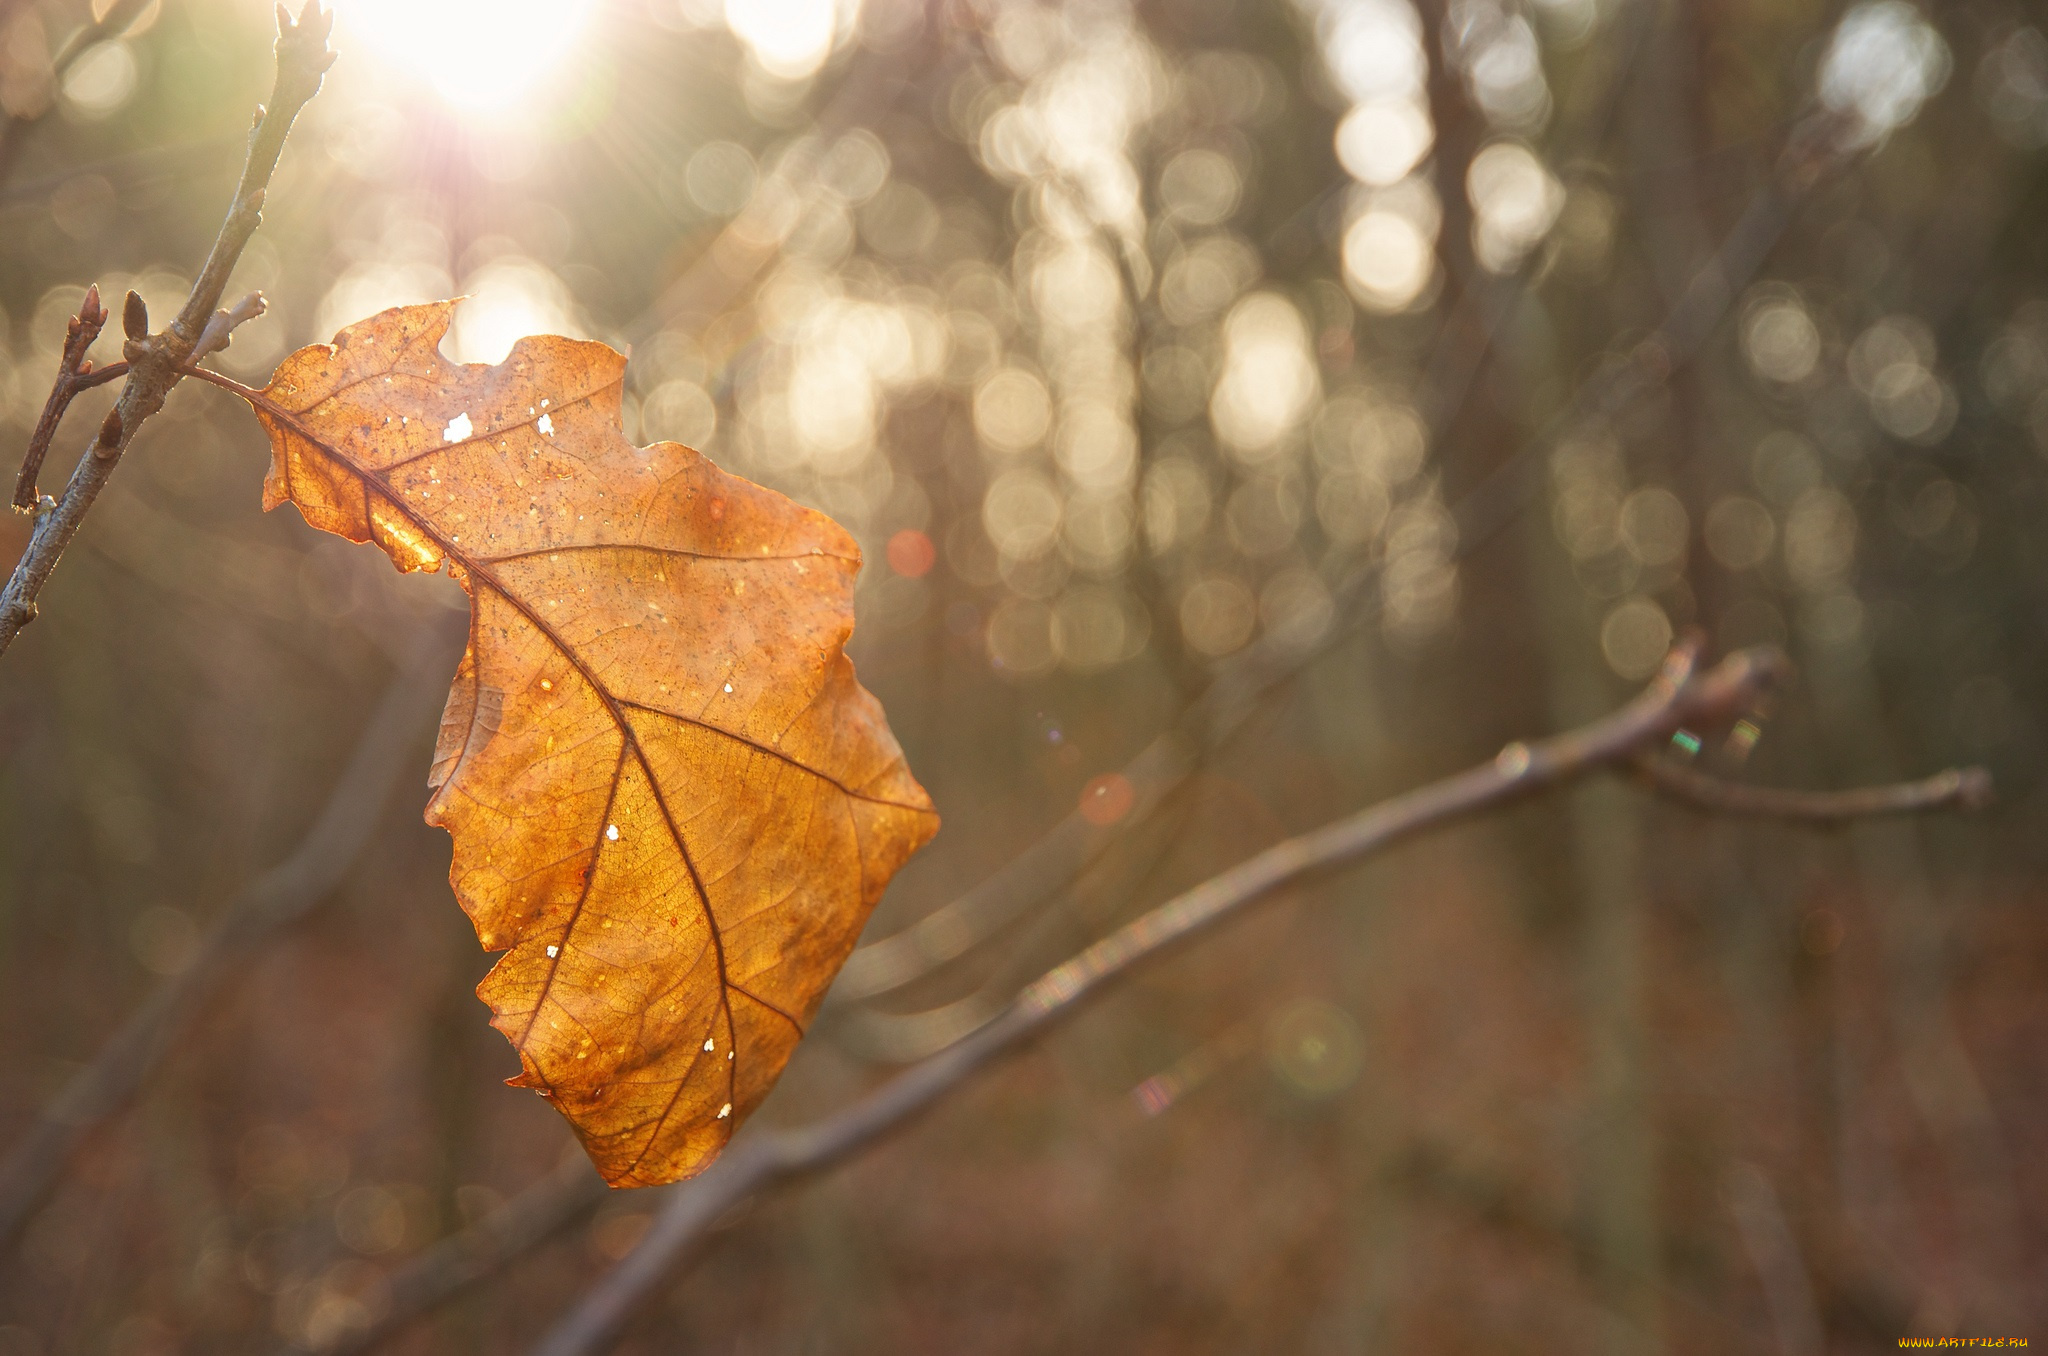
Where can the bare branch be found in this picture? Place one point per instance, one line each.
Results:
(1681, 696)
(155, 362)
(1966, 788)
(1068, 848)
(73, 369)
(220, 330)
(476, 1254)
(882, 1036)
(275, 899)
(1244, 680)
(14, 129)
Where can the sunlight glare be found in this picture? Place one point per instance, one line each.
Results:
(482, 56)
(789, 39)
(1882, 64)
(509, 299)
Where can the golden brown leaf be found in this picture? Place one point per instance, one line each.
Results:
(671, 803)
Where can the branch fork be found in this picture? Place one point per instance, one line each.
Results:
(1681, 697)
(73, 371)
(154, 363)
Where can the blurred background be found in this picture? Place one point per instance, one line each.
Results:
(1320, 393)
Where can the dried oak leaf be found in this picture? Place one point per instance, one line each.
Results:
(672, 805)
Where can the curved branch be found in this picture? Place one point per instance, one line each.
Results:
(1965, 788)
(480, 1252)
(1241, 682)
(1244, 681)
(1679, 697)
(897, 1037)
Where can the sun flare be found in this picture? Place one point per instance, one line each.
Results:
(482, 56)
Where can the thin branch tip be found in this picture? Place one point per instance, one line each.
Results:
(1628, 737)
(1968, 789)
(1687, 649)
(220, 330)
(302, 43)
(74, 374)
(1728, 689)
(154, 363)
(1975, 789)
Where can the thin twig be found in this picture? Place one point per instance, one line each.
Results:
(476, 1254)
(1681, 696)
(156, 361)
(220, 330)
(887, 1037)
(109, 25)
(1959, 788)
(1056, 859)
(74, 371)
(1243, 681)
(273, 900)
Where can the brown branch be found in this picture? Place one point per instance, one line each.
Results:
(155, 361)
(281, 896)
(220, 330)
(112, 24)
(1967, 788)
(100, 376)
(478, 1253)
(74, 370)
(886, 1037)
(1066, 850)
(543, 1210)
(1246, 678)
(1681, 696)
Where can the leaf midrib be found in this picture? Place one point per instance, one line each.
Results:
(479, 570)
